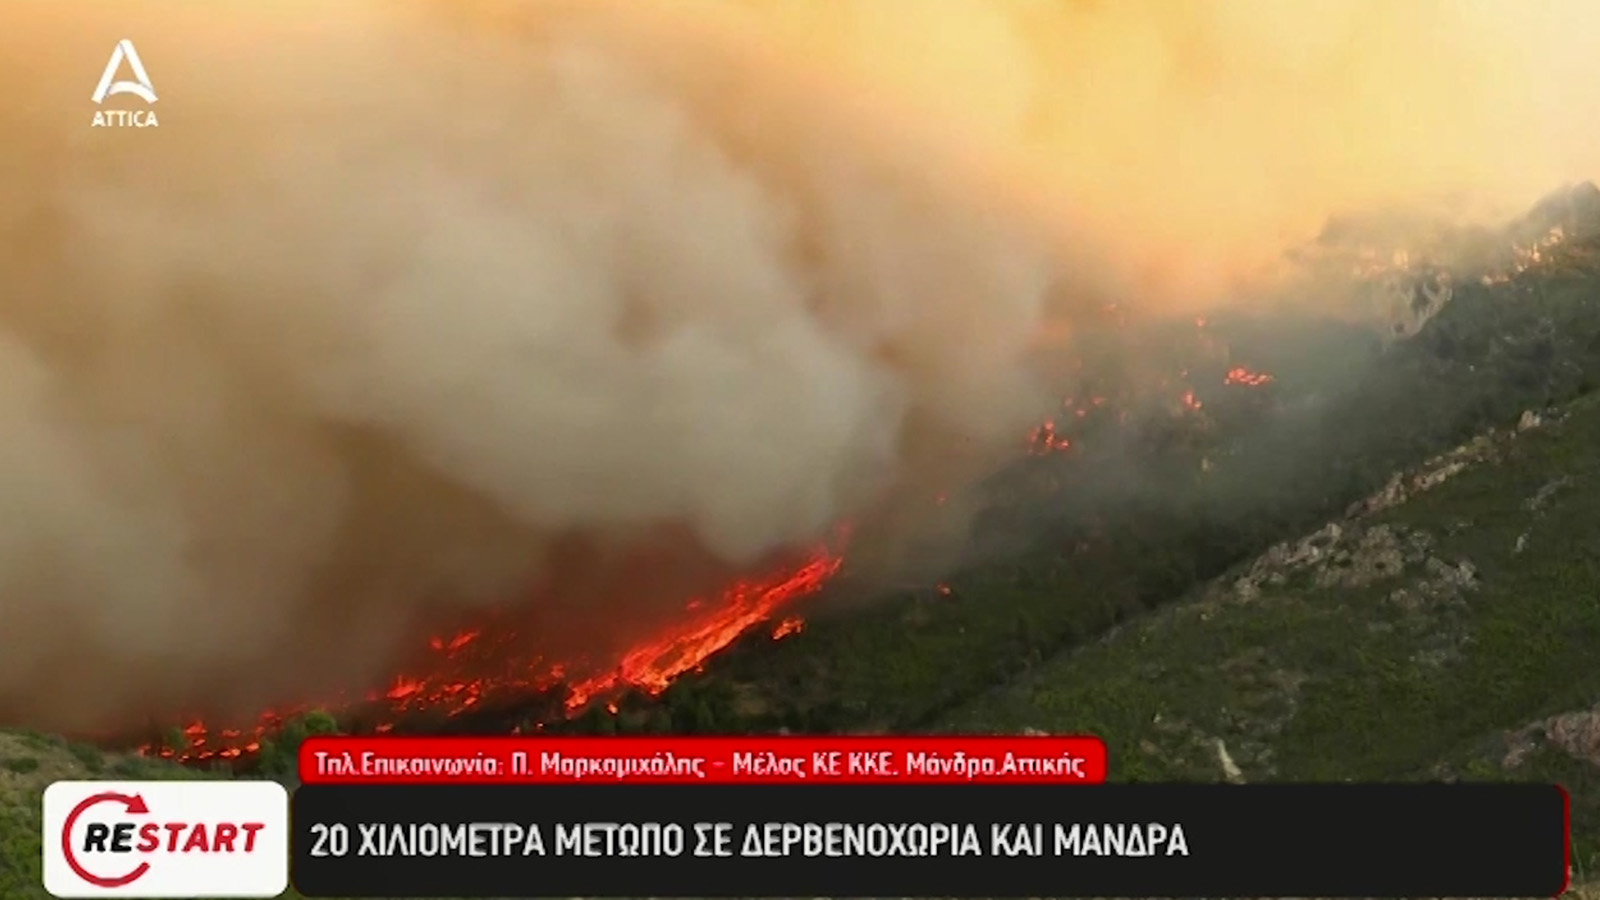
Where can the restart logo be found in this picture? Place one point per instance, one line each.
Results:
(166, 839)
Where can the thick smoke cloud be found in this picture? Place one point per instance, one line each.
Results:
(393, 310)
(410, 306)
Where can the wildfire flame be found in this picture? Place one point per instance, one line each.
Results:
(1404, 267)
(650, 666)
(715, 623)
(1241, 375)
(1048, 436)
(1044, 439)
(791, 625)
(1526, 257)
(653, 665)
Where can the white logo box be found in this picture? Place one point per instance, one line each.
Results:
(176, 839)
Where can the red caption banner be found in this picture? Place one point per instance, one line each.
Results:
(1023, 759)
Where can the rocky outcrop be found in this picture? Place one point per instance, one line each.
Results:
(1574, 733)
(1353, 553)
(1575, 209)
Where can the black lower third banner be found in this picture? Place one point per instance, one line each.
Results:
(670, 840)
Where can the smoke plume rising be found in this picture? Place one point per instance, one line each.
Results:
(409, 306)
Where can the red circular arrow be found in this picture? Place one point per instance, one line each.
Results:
(135, 805)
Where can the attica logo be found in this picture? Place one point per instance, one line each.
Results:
(166, 839)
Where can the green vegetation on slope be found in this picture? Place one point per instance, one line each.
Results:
(1167, 506)
(28, 764)
(1441, 637)
(1444, 631)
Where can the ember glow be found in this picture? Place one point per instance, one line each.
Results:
(1044, 439)
(1050, 437)
(1525, 257)
(791, 625)
(1242, 376)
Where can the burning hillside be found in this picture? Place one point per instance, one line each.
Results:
(483, 667)
(1407, 267)
(327, 360)
(457, 683)
(312, 391)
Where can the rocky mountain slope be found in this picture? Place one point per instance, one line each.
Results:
(1445, 628)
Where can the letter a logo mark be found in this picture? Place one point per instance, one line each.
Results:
(139, 88)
